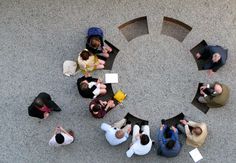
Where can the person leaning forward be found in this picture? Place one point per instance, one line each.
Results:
(90, 87)
(42, 106)
(215, 57)
(141, 142)
(168, 141)
(214, 95)
(196, 133)
(118, 132)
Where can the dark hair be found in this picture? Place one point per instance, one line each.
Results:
(85, 55)
(59, 138)
(83, 86)
(38, 102)
(96, 107)
(144, 139)
(170, 144)
(95, 42)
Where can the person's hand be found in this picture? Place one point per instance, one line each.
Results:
(46, 115)
(162, 126)
(184, 122)
(203, 87)
(104, 51)
(110, 102)
(58, 129)
(173, 128)
(130, 145)
(202, 92)
(198, 55)
(210, 72)
(129, 130)
(103, 103)
(99, 80)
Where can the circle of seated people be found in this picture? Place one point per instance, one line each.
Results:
(167, 139)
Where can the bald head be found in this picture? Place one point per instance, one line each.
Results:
(218, 88)
(216, 57)
(119, 134)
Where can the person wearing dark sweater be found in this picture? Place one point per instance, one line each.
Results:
(168, 141)
(42, 106)
(215, 57)
(99, 108)
(90, 87)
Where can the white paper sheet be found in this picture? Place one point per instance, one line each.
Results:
(196, 155)
(111, 78)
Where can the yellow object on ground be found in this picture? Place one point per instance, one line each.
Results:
(120, 96)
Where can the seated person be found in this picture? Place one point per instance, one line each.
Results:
(99, 108)
(61, 137)
(95, 42)
(196, 133)
(215, 56)
(214, 95)
(90, 87)
(141, 142)
(168, 141)
(89, 62)
(42, 106)
(118, 132)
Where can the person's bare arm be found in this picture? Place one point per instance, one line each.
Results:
(64, 131)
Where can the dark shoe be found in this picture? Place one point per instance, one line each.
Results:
(57, 109)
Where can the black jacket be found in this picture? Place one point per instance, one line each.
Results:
(87, 93)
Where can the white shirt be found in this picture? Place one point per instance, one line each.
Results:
(110, 134)
(96, 92)
(67, 140)
(139, 149)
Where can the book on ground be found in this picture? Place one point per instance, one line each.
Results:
(196, 155)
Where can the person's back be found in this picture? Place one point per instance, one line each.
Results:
(168, 147)
(197, 136)
(219, 100)
(141, 149)
(61, 137)
(141, 143)
(114, 135)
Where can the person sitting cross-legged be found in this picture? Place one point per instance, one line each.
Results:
(168, 141)
(90, 87)
(214, 95)
(95, 42)
(95, 45)
(100, 108)
(141, 142)
(61, 137)
(196, 133)
(118, 132)
(89, 62)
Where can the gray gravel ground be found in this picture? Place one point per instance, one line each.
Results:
(156, 71)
